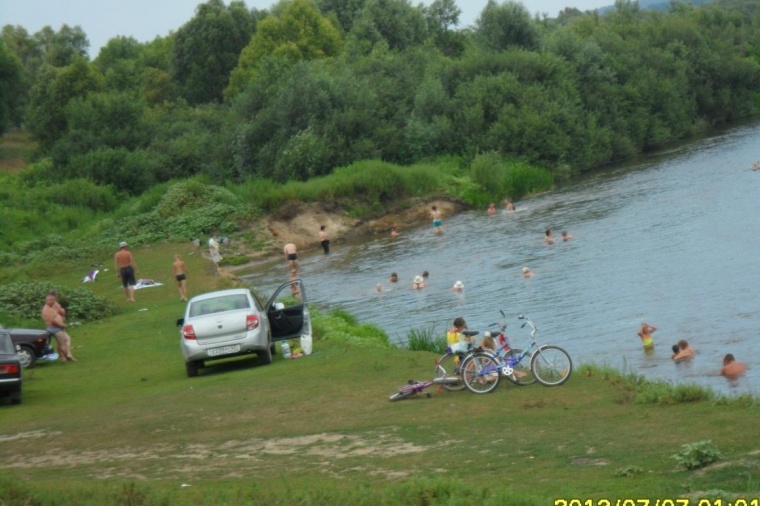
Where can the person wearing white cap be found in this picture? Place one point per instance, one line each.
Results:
(458, 287)
(418, 283)
(126, 268)
(527, 273)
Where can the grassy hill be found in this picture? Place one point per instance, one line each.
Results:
(125, 426)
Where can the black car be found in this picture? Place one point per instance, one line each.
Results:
(33, 345)
(10, 369)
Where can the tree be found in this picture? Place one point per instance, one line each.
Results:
(207, 48)
(55, 87)
(395, 22)
(345, 11)
(10, 88)
(442, 17)
(507, 25)
(61, 48)
(298, 33)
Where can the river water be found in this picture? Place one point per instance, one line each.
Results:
(671, 239)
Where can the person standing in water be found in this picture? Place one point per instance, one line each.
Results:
(645, 333)
(325, 239)
(291, 255)
(435, 214)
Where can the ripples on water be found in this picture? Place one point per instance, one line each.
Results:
(671, 240)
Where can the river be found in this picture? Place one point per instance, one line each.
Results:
(671, 239)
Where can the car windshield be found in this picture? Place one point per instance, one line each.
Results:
(6, 345)
(219, 304)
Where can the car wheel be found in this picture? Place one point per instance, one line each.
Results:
(16, 397)
(265, 357)
(192, 369)
(27, 357)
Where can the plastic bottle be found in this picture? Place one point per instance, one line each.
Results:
(285, 349)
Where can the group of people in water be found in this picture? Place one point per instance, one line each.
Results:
(682, 352)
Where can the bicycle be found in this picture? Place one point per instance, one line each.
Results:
(414, 387)
(550, 365)
(449, 365)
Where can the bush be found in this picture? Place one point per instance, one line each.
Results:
(487, 170)
(77, 193)
(696, 455)
(340, 327)
(25, 301)
(522, 179)
(426, 340)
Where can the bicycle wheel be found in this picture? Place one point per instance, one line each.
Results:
(551, 365)
(521, 371)
(402, 394)
(480, 373)
(447, 368)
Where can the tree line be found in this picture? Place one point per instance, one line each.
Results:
(294, 91)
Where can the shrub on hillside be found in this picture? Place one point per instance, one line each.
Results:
(25, 301)
(487, 170)
(77, 193)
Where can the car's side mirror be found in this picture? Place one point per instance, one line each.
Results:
(180, 322)
(18, 347)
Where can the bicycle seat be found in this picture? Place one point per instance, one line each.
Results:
(470, 333)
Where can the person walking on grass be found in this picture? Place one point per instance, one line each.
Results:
(126, 268)
(54, 317)
(180, 274)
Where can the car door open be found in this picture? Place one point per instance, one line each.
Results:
(287, 312)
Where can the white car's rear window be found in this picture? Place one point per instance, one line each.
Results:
(219, 304)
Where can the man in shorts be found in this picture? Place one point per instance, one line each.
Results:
(53, 316)
(180, 274)
(126, 268)
(435, 214)
(291, 255)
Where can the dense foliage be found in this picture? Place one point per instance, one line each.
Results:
(25, 301)
(311, 88)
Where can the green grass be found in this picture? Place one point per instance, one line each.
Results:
(124, 425)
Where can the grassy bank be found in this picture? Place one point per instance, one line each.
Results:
(76, 220)
(124, 425)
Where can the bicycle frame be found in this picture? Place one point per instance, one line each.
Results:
(550, 365)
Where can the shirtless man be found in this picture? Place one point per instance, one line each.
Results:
(53, 315)
(291, 255)
(126, 268)
(566, 236)
(491, 209)
(180, 274)
(731, 368)
(324, 239)
(548, 239)
(435, 214)
(509, 205)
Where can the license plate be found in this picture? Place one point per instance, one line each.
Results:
(224, 350)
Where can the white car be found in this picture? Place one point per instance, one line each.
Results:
(234, 322)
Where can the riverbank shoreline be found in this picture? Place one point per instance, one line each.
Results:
(300, 224)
